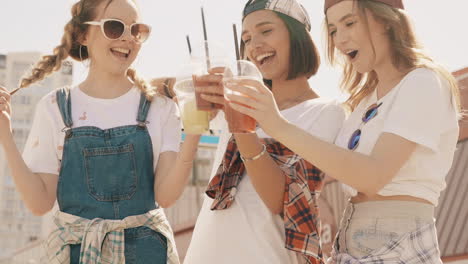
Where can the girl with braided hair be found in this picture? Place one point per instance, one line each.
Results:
(107, 149)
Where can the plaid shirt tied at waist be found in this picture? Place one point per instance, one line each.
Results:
(416, 247)
(102, 241)
(300, 199)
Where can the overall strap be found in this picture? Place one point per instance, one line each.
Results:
(64, 104)
(143, 109)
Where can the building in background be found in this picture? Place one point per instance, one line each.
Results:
(18, 226)
(2, 70)
(452, 212)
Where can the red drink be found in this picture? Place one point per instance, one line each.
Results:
(240, 70)
(238, 122)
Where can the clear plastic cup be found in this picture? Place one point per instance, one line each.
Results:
(203, 104)
(194, 121)
(238, 122)
(206, 55)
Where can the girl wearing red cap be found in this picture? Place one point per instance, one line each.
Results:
(397, 145)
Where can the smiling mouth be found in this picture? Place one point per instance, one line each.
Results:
(262, 59)
(120, 52)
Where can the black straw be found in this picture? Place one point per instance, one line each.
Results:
(205, 35)
(188, 44)
(236, 45)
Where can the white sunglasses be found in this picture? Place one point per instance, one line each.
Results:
(114, 29)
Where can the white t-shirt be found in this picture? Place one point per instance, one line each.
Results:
(247, 232)
(43, 150)
(420, 110)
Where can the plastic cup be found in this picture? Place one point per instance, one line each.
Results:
(238, 122)
(200, 62)
(194, 121)
(203, 104)
(199, 69)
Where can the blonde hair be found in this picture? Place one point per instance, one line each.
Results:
(75, 29)
(408, 54)
(164, 86)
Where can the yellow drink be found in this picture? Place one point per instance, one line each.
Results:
(194, 120)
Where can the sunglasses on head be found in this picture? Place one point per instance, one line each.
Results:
(114, 29)
(368, 115)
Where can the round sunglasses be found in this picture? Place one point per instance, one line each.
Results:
(366, 117)
(114, 29)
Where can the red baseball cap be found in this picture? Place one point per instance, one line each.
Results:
(392, 3)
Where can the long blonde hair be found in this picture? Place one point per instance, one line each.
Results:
(408, 53)
(74, 31)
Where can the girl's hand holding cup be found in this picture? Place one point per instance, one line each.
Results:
(211, 89)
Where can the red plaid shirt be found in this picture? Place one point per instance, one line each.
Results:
(300, 206)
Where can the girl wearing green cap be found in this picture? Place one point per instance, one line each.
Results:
(262, 197)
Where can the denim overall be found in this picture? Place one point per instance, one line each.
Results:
(109, 174)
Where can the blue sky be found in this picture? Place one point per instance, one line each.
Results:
(31, 25)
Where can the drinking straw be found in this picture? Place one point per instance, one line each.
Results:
(236, 45)
(207, 51)
(236, 41)
(188, 44)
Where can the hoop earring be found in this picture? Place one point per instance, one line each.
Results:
(81, 58)
(79, 51)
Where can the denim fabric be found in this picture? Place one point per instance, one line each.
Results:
(109, 174)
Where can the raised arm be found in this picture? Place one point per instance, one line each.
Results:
(173, 171)
(38, 190)
(366, 173)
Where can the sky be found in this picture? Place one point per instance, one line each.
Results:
(31, 25)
